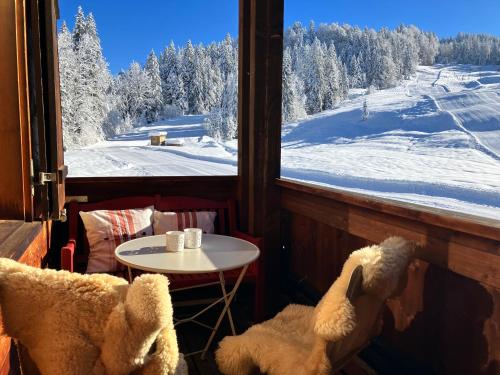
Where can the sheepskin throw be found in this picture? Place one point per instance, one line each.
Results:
(308, 340)
(89, 324)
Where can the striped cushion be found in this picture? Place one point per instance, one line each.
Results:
(165, 221)
(106, 229)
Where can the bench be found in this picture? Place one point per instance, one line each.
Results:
(74, 255)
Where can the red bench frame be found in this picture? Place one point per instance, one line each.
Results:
(75, 253)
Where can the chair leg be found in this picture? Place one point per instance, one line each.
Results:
(26, 364)
(130, 275)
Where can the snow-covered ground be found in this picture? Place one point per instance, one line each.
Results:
(433, 140)
(132, 155)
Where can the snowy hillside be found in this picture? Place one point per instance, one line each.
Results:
(433, 140)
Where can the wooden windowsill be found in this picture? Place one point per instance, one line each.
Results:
(16, 236)
(470, 224)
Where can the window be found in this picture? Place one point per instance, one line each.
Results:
(149, 90)
(394, 102)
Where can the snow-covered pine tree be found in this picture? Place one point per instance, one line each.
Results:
(213, 124)
(344, 81)
(155, 97)
(175, 85)
(313, 75)
(384, 70)
(311, 32)
(80, 27)
(287, 94)
(222, 123)
(369, 46)
(366, 112)
(229, 105)
(479, 49)
(409, 58)
(188, 72)
(228, 59)
(428, 48)
(171, 72)
(92, 83)
(68, 75)
(293, 99)
(133, 89)
(213, 84)
(356, 76)
(196, 92)
(332, 92)
(295, 40)
(168, 65)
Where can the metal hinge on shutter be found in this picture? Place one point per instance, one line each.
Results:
(46, 178)
(56, 177)
(62, 216)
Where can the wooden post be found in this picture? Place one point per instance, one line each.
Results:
(259, 132)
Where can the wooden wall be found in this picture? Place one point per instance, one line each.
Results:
(447, 317)
(100, 188)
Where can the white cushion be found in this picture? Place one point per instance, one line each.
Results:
(106, 229)
(166, 221)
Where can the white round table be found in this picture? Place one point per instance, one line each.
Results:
(217, 254)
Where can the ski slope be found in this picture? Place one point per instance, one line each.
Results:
(433, 140)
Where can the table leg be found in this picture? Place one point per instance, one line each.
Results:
(224, 293)
(227, 303)
(130, 278)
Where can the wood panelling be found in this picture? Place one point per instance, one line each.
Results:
(15, 185)
(318, 268)
(470, 255)
(101, 188)
(447, 316)
(445, 320)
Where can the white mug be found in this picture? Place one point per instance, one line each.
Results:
(174, 240)
(193, 238)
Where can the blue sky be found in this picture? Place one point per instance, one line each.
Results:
(129, 29)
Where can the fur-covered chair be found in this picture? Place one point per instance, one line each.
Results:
(320, 340)
(89, 324)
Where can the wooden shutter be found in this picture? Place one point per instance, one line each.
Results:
(49, 171)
